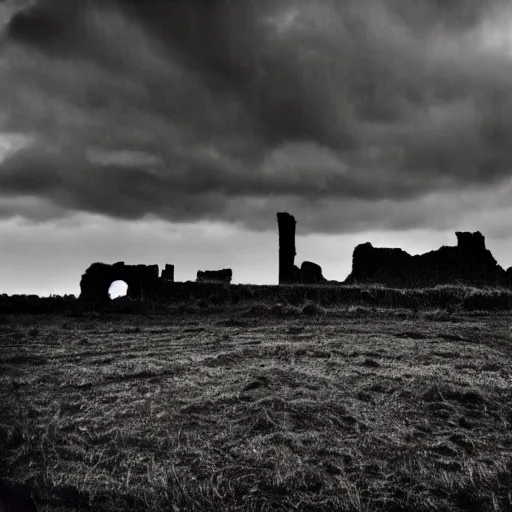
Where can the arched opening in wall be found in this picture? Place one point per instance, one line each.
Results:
(118, 289)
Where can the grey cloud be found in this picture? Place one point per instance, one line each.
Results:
(454, 15)
(231, 108)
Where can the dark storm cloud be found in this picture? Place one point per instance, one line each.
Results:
(226, 110)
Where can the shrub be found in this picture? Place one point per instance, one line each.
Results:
(312, 309)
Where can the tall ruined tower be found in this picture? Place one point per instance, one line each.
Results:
(286, 226)
(470, 242)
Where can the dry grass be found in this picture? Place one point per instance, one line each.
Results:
(200, 296)
(264, 409)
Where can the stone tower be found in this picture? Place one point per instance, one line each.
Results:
(286, 226)
(470, 242)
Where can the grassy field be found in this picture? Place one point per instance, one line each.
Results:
(355, 409)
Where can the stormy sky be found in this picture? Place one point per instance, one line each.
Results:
(172, 131)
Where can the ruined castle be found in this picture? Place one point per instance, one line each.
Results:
(467, 263)
(143, 280)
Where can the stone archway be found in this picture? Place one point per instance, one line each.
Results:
(142, 280)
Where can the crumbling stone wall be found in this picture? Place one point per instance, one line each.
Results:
(311, 273)
(168, 273)
(142, 280)
(468, 263)
(223, 276)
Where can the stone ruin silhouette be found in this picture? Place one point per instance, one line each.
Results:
(214, 276)
(289, 273)
(142, 280)
(168, 273)
(467, 263)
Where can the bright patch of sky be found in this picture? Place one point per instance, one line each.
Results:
(496, 33)
(117, 289)
(10, 143)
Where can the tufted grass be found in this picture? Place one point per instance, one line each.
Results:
(269, 407)
(192, 297)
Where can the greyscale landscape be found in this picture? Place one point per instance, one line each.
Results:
(309, 395)
(256, 255)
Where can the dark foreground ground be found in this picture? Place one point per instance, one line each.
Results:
(355, 411)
